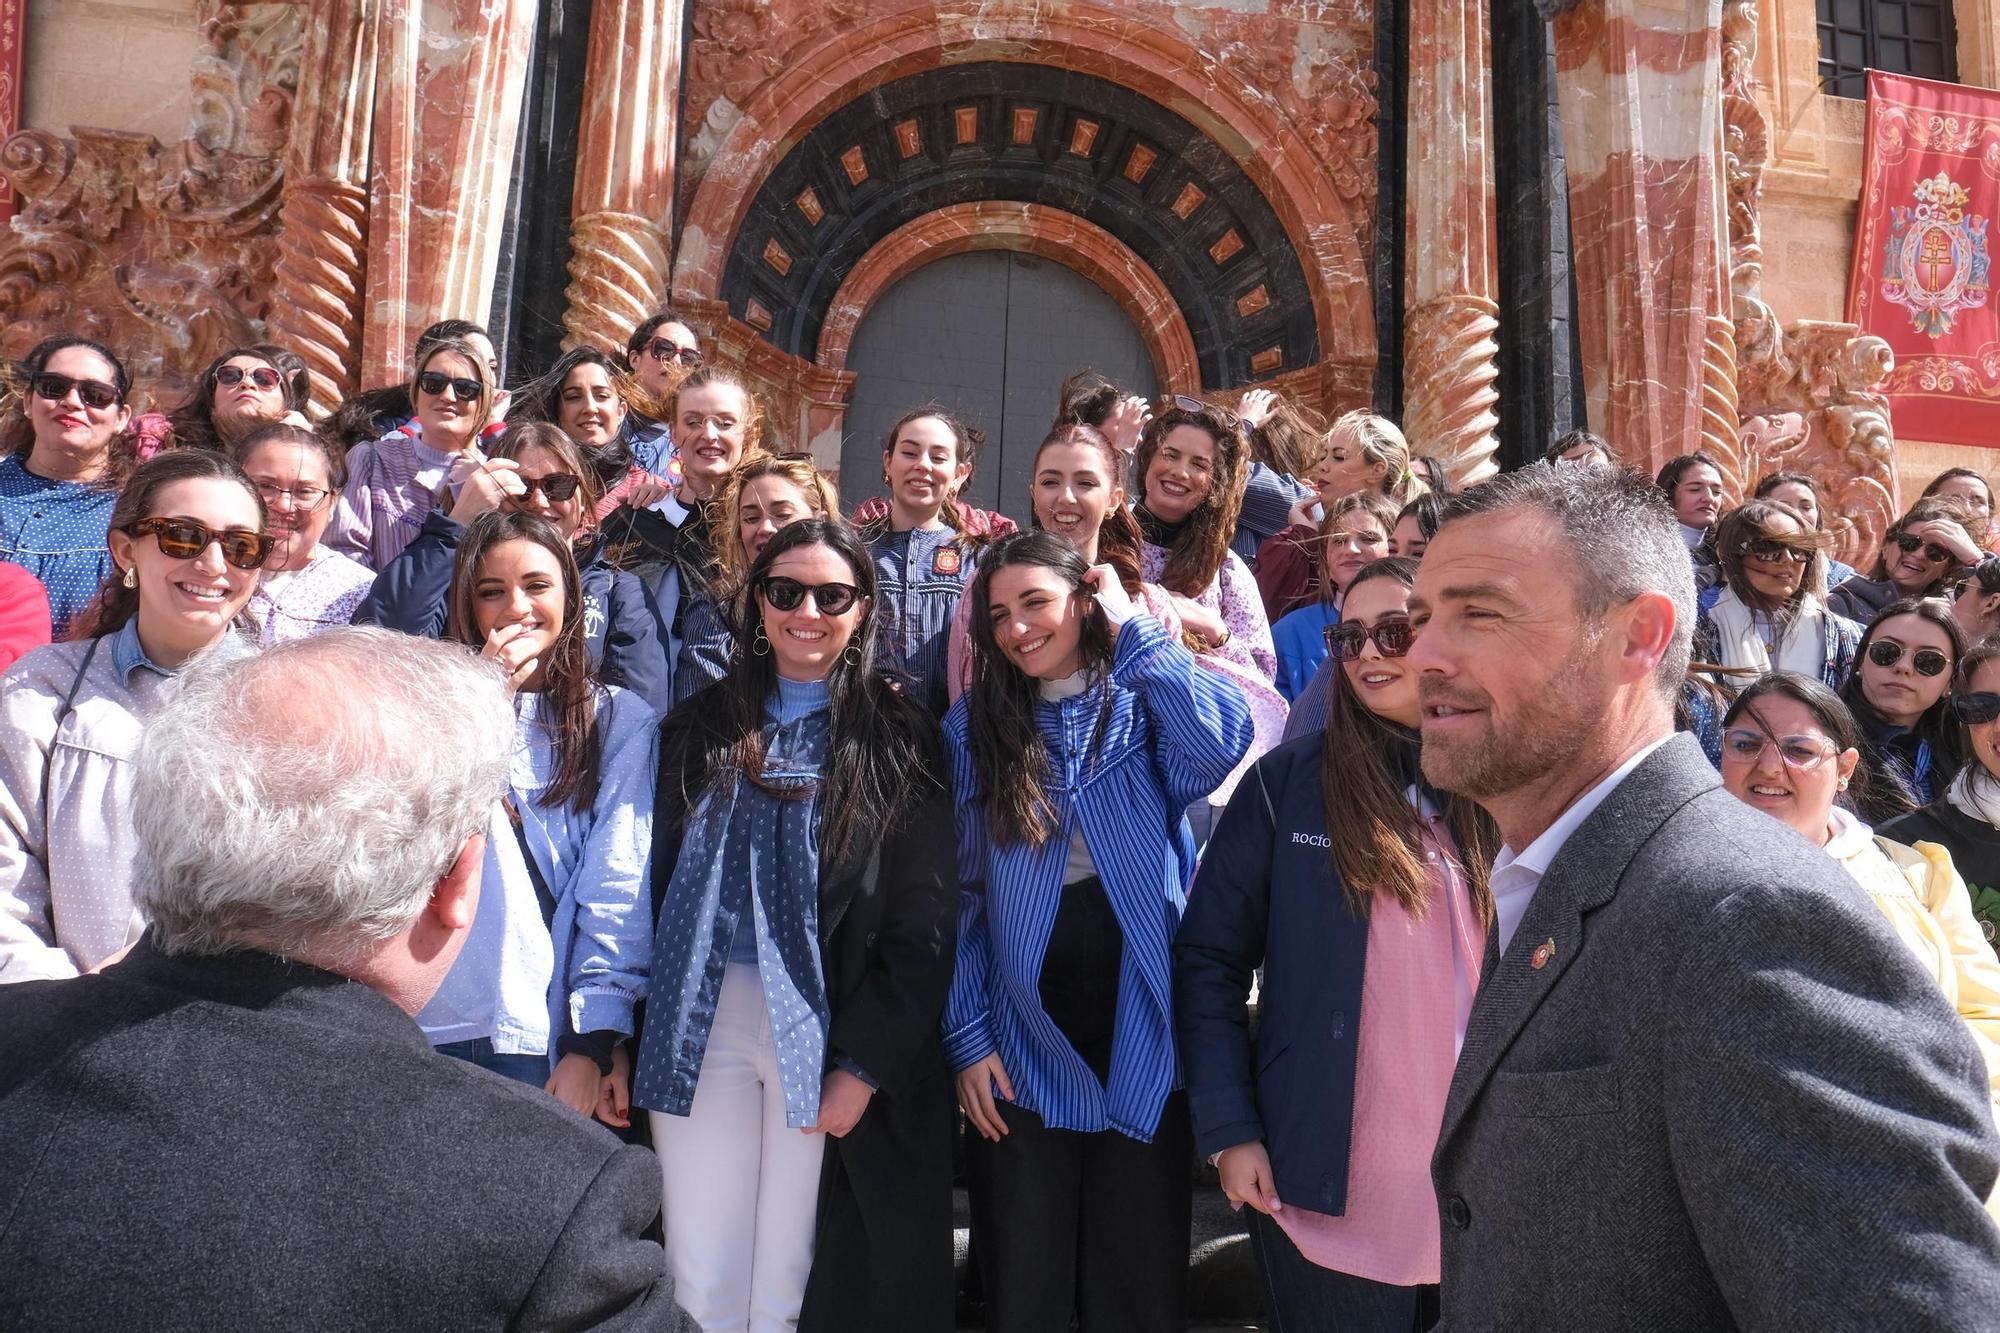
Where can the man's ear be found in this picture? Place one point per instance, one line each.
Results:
(455, 897)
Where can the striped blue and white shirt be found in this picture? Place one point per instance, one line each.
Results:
(1173, 733)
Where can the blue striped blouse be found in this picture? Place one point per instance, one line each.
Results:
(1174, 732)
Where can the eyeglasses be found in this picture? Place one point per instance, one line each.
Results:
(557, 486)
(1976, 710)
(433, 383)
(93, 393)
(786, 595)
(263, 377)
(1766, 551)
(1803, 753)
(304, 497)
(1932, 551)
(666, 353)
(185, 539)
(1927, 661)
(1392, 638)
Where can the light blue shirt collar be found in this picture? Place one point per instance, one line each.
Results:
(128, 654)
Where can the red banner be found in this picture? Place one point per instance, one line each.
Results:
(1930, 189)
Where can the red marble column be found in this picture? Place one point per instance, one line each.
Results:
(316, 309)
(447, 112)
(1450, 370)
(1641, 92)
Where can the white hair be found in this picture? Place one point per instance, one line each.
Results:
(305, 801)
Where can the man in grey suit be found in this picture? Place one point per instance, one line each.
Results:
(1703, 1085)
(239, 1125)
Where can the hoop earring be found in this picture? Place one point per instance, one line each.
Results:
(131, 579)
(851, 654)
(762, 643)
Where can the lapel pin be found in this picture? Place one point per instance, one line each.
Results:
(1543, 952)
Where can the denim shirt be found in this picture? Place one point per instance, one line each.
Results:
(1173, 733)
(919, 575)
(57, 531)
(518, 979)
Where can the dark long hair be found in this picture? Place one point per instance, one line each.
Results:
(967, 440)
(1366, 766)
(540, 399)
(1937, 726)
(569, 685)
(524, 435)
(1086, 398)
(1118, 537)
(884, 749)
(1870, 788)
(1671, 472)
(1752, 521)
(1288, 440)
(17, 434)
(1203, 544)
(193, 420)
(114, 604)
(1008, 752)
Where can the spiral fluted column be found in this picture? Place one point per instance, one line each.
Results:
(1450, 359)
(624, 199)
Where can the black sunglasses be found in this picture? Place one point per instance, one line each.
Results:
(786, 594)
(434, 383)
(665, 353)
(557, 486)
(263, 377)
(1392, 638)
(1927, 661)
(1976, 710)
(185, 539)
(1767, 551)
(92, 393)
(1932, 551)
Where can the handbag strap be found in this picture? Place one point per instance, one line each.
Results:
(63, 710)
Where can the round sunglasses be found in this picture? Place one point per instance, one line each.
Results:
(1927, 661)
(92, 393)
(186, 539)
(787, 594)
(262, 376)
(1392, 638)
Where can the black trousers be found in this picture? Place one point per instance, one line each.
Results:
(1302, 1297)
(1086, 1226)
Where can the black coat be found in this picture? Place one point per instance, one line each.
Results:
(239, 1142)
(888, 928)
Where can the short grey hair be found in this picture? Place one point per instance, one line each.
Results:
(304, 801)
(1623, 539)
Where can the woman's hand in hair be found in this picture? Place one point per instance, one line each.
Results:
(1257, 407)
(1950, 536)
(1127, 423)
(614, 1090)
(1246, 1178)
(842, 1099)
(1109, 591)
(503, 646)
(976, 1084)
(574, 1083)
(483, 485)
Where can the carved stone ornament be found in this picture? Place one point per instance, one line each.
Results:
(1806, 391)
(163, 254)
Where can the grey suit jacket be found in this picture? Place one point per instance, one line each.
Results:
(1726, 1098)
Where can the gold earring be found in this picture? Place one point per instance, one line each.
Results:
(131, 579)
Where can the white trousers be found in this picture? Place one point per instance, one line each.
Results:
(741, 1188)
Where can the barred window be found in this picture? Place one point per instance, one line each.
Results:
(1896, 36)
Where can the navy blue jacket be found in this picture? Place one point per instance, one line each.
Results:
(1267, 895)
(412, 594)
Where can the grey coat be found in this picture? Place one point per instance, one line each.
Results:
(1728, 1098)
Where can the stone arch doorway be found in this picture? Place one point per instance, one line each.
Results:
(991, 335)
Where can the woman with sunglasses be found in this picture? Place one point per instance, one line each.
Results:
(791, 1058)
(761, 497)
(1801, 492)
(1792, 749)
(1085, 735)
(187, 537)
(305, 587)
(1899, 693)
(243, 389)
(394, 482)
(1921, 554)
(64, 453)
(1965, 821)
(545, 988)
(532, 468)
(1354, 534)
(1771, 614)
(661, 351)
(1360, 893)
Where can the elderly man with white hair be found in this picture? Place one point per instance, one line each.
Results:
(239, 1125)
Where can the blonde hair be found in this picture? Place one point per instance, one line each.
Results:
(798, 469)
(1380, 441)
(704, 377)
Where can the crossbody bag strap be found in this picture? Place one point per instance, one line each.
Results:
(63, 710)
